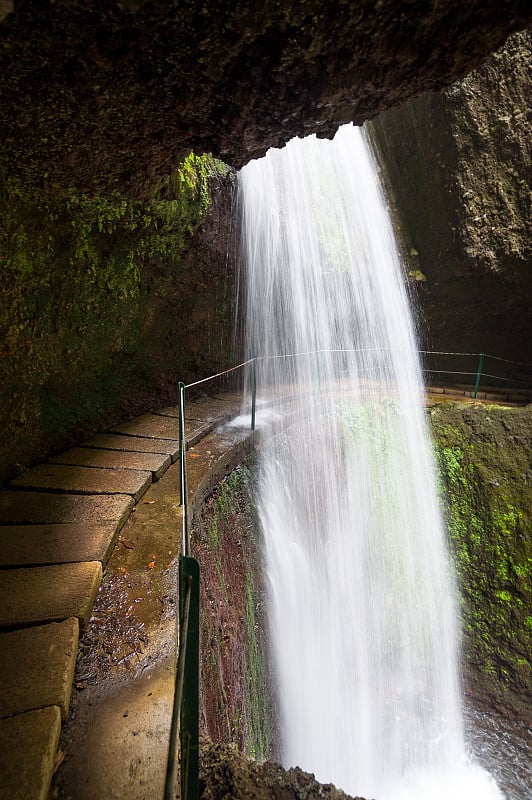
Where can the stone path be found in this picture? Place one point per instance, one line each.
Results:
(59, 523)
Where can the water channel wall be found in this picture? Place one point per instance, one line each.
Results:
(485, 477)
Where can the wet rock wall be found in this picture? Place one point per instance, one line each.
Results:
(483, 454)
(458, 168)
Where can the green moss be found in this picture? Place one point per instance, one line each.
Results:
(79, 278)
(234, 674)
(258, 713)
(487, 501)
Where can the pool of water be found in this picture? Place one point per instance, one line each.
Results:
(503, 747)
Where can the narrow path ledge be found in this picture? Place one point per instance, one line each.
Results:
(59, 524)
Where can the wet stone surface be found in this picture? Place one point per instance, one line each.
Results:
(115, 740)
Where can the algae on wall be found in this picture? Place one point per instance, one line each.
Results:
(106, 302)
(235, 703)
(483, 454)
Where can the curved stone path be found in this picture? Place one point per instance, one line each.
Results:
(59, 524)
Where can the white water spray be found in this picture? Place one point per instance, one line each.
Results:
(361, 604)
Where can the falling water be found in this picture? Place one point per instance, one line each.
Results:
(361, 606)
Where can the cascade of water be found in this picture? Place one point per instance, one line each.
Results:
(361, 604)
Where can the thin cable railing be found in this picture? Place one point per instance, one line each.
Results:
(185, 711)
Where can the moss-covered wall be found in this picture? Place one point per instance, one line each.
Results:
(486, 472)
(106, 302)
(235, 704)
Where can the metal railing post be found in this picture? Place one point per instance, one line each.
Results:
(189, 601)
(185, 711)
(181, 409)
(479, 373)
(183, 469)
(253, 391)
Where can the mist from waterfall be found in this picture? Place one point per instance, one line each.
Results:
(360, 590)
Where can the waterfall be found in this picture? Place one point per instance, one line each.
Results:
(361, 601)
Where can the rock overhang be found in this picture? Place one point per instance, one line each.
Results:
(113, 96)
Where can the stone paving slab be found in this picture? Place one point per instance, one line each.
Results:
(151, 426)
(168, 411)
(28, 744)
(85, 480)
(194, 431)
(209, 409)
(37, 667)
(25, 545)
(230, 397)
(135, 444)
(156, 463)
(160, 427)
(204, 408)
(38, 507)
(35, 595)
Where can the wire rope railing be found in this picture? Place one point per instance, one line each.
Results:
(185, 711)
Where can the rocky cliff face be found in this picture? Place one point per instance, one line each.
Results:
(226, 773)
(114, 95)
(458, 164)
(106, 303)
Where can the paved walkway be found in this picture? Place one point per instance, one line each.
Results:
(59, 524)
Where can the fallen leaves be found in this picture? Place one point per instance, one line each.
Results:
(148, 502)
(152, 563)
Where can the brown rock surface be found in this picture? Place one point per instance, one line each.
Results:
(115, 94)
(225, 772)
(458, 164)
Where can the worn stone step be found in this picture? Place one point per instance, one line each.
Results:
(151, 426)
(168, 411)
(161, 427)
(60, 543)
(137, 444)
(37, 667)
(85, 480)
(28, 744)
(36, 595)
(39, 507)
(156, 463)
(206, 409)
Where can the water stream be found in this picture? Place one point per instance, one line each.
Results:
(360, 590)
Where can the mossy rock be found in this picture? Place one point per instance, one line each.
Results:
(483, 454)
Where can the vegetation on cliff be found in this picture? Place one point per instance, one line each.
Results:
(484, 458)
(90, 303)
(234, 693)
